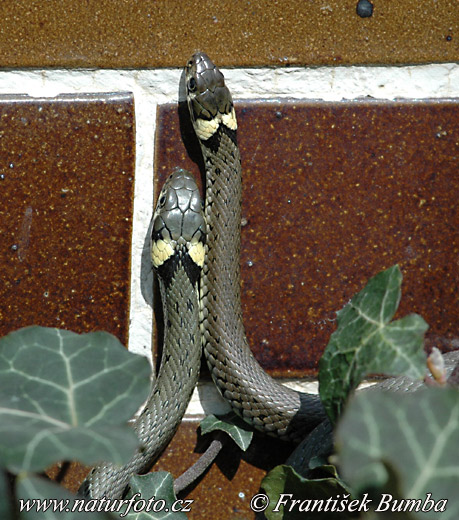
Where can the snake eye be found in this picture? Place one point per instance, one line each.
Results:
(162, 200)
(192, 84)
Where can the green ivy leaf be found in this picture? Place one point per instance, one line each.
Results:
(406, 444)
(233, 425)
(365, 342)
(40, 498)
(66, 396)
(154, 491)
(284, 485)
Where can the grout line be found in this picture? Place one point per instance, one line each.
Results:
(326, 83)
(151, 87)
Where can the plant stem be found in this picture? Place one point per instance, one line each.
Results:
(199, 467)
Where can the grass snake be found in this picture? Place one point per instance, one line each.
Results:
(177, 252)
(269, 406)
(181, 254)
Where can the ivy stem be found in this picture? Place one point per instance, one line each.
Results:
(200, 466)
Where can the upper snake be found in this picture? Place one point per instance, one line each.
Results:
(179, 250)
(269, 406)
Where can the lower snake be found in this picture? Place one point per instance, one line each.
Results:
(266, 404)
(177, 252)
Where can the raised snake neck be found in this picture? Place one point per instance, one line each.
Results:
(178, 260)
(267, 405)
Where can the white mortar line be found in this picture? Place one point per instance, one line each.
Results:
(153, 87)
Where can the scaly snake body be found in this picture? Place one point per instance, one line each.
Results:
(177, 249)
(178, 253)
(269, 406)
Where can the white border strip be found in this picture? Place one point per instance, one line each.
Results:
(154, 87)
(338, 83)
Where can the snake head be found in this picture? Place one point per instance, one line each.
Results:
(179, 228)
(209, 100)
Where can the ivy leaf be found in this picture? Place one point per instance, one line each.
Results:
(284, 485)
(365, 342)
(66, 396)
(404, 444)
(233, 425)
(155, 498)
(41, 498)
